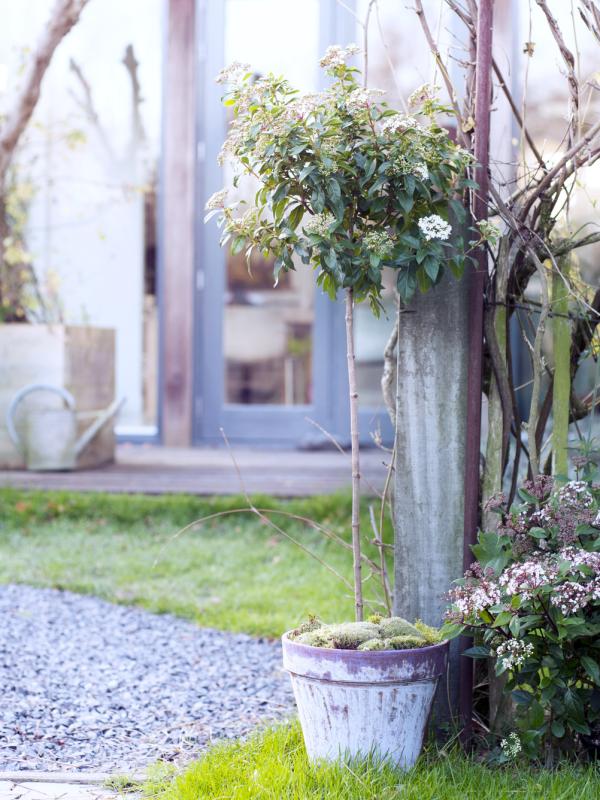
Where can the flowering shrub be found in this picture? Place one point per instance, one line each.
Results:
(346, 184)
(532, 600)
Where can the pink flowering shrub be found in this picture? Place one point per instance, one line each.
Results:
(532, 602)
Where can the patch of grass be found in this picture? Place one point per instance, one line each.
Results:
(232, 573)
(273, 766)
(123, 784)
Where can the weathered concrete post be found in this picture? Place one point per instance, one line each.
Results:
(430, 451)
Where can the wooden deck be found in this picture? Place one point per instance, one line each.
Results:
(161, 470)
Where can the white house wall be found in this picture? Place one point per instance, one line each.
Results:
(85, 229)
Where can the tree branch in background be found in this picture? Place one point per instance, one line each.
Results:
(462, 129)
(86, 103)
(590, 14)
(131, 64)
(569, 59)
(64, 16)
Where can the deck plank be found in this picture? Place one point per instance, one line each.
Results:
(202, 471)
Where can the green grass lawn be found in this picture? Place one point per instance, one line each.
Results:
(273, 766)
(236, 574)
(232, 573)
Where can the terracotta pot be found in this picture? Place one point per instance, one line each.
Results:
(353, 703)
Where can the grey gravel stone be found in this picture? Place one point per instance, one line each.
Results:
(86, 684)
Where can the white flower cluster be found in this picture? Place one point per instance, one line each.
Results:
(523, 579)
(594, 589)
(578, 558)
(233, 73)
(511, 746)
(422, 94)
(421, 171)
(379, 242)
(576, 493)
(475, 600)
(336, 56)
(305, 104)
(319, 224)
(514, 653)
(399, 123)
(217, 200)
(570, 597)
(434, 227)
(359, 98)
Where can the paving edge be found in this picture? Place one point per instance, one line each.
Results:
(35, 776)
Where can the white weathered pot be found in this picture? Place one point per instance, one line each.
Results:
(353, 703)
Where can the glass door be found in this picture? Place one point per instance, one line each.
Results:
(270, 361)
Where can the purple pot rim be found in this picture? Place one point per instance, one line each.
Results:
(438, 647)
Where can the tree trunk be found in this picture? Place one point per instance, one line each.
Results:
(353, 391)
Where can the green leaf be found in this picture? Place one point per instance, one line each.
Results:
(295, 217)
(238, 245)
(527, 497)
(479, 651)
(514, 626)
(450, 630)
(558, 729)
(305, 172)
(458, 210)
(334, 191)
(280, 193)
(538, 533)
(432, 268)
(423, 280)
(405, 202)
(491, 551)
(535, 718)
(317, 201)
(521, 697)
(370, 169)
(406, 283)
(503, 618)
(592, 668)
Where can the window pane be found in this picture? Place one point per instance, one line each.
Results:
(267, 329)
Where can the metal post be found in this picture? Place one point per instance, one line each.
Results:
(483, 91)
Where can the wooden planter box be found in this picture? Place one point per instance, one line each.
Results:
(80, 358)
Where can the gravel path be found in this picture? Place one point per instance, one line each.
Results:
(85, 684)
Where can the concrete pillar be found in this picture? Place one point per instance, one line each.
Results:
(430, 435)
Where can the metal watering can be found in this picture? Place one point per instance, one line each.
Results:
(48, 439)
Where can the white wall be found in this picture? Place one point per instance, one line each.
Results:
(86, 220)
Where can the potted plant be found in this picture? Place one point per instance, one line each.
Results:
(349, 186)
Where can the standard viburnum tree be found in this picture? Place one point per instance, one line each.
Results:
(348, 186)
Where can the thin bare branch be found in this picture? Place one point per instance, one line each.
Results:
(64, 16)
(355, 444)
(546, 183)
(377, 534)
(388, 376)
(131, 64)
(86, 103)
(569, 61)
(461, 125)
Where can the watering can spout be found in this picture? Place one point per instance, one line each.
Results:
(97, 425)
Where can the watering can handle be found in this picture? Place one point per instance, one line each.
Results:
(21, 394)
